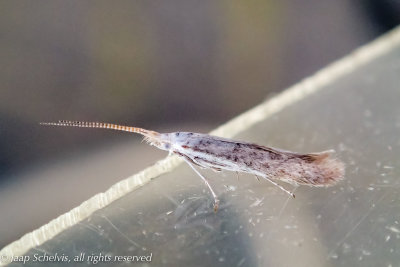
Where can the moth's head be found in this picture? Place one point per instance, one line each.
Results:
(159, 140)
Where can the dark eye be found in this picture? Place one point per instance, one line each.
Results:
(167, 146)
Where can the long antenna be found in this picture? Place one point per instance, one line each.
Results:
(144, 132)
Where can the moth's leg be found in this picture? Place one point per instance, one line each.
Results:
(187, 159)
(278, 185)
(216, 169)
(216, 200)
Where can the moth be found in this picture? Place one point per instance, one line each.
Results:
(216, 153)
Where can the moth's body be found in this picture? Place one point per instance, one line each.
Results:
(206, 151)
(224, 154)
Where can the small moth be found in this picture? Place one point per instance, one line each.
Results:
(216, 153)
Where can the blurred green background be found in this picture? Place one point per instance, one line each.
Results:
(163, 65)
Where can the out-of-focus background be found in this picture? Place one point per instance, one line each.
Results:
(162, 65)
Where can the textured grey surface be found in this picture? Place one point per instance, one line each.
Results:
(355, 223)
